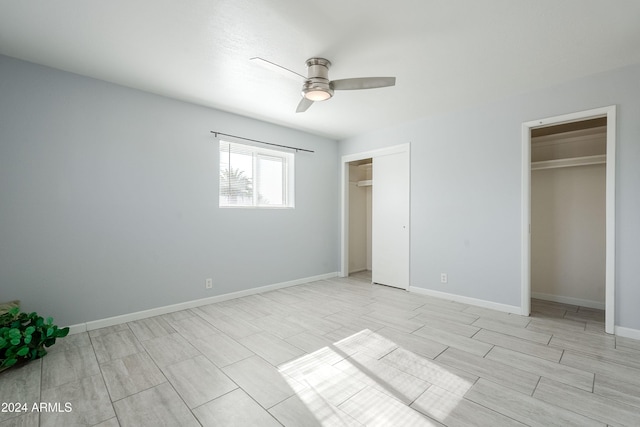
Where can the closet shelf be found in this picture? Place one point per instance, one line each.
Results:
(365, 183)
(572, 161)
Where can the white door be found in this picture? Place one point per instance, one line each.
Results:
(390, 220)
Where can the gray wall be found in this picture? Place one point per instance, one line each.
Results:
(466, 196)
(109, 200)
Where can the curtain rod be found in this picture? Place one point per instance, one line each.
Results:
(262, 142)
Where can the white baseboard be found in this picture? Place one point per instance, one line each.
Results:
(130, 317)
(467, 300)
(627, 332)
(569, 300)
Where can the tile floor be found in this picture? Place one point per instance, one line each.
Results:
(333, 353)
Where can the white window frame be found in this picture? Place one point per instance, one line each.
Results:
(259, 152)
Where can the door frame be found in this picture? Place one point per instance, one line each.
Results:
(610, 221)
(344, 220)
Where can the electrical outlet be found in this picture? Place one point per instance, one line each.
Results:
(208, 284)
(444, 278)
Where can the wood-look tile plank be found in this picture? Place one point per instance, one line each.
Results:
(552, 326)
(198, 380)
(448, 326)
(374, 408)
(543, 368)
(115, 345)
(260, 380)
(498, 316)
(155, 407)
(498, 372)
(383, 376)
(621, 357)
(130, 374)
(169, 349)
(355, 322)
(446, 315)
(309, 342)
(309, 409)
(600, 366)
(234, 409)
(30, 419)
(234, 327)
(627, 344)
(152, 327)
(405, 325)
(412, 342)
(177, 315)
(524, 408)
(71, 343)
(453, 410)
(451, 379)
(603, 409)
(222, 349)
(108, 330)
(315, 372)
(452, 340)
(111, 422)
(277, 325)
(586, 314)
(366, 342)
(314, 324)
(620, 391)
(271, 348)
(20, 384)
(89, 400)
(514, 331)
(62, 367)
(193, 328)
(519, 344)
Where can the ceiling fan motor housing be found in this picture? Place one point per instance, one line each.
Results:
(317, 86)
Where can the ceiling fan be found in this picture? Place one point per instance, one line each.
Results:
(318, 87)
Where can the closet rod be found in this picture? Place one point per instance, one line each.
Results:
(262, 142)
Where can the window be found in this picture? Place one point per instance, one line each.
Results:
(252, 176)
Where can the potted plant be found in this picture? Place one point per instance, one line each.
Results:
(24, 336)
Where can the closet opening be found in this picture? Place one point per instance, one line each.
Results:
(568, 216)
(360, 218)
(568, 164)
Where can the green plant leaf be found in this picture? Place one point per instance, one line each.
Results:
(49, 320)
(27, 339)
(3, 342)
(14, 333)
(29, 330)
(9, 362)
(23, 351)
(15, 341)
(63, 332)
(39, 322)
(50, 331)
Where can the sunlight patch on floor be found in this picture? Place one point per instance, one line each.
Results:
(368, 379)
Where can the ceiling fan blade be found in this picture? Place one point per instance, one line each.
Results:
(304, 105)
(275, 67)
(363, 83)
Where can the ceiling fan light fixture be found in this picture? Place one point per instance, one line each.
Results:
(316, 95)
(317, 89)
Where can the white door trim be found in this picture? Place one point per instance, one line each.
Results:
(610, 113)
(344, 230)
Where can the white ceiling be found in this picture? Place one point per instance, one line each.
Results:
(446, 54)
